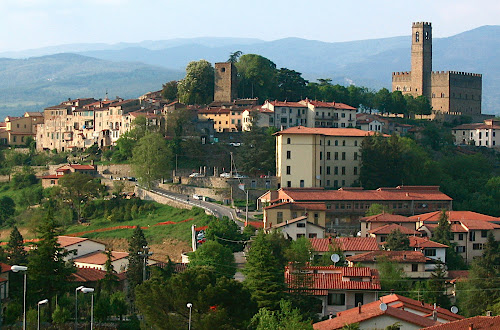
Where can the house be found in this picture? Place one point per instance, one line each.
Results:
(318, 157)
(279, 213)
(4, 281)
(330, 114)
(287, 114)
(390, 309)
(430, 249)
(338, 288)
(470, 230)
(345, 206)
(471, 323)
(372, 123)
(300, 227)
(486, 134)
(79, 246)
(265, 118)
(14, 131)
(413, 263)
(53, 179)
(90, 277)
(383, 219)
(381, 233)
(97, 260)
(349, 245)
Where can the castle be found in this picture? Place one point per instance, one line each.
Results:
(449, 92)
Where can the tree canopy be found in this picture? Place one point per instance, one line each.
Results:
(397, 241)
(215, 255)
(197, 87)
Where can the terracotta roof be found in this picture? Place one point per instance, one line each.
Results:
(453, 216)
(369, 311)
(76, 167)
(387, 217)
(476, 323)
(335, 105)
(477, 126)
(65, 241)
(455, 228)
(313, 206)
(99, 257)
(33, 114)
(398, 256)
(402, 193)
(288, 104)
(354, 132)
(479, 225)
(422, 242)
(88, 275)
(387, 229)
(225, 111)
(345, 244)
(455, 275)
(4, 267)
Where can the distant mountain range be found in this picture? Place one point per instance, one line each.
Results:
(36, 78)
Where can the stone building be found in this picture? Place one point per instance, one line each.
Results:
(449, 92)
(225, 82)
(485, 134)
(14, 131)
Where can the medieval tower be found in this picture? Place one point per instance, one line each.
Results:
(449, 92)
(225, 82)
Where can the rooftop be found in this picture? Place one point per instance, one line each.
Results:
(422, 242)
(348, 132)
(99, 257)
(398, 256)
(454, 215)
(345, 244)
(387, 217)
(474, 323)
(387, 229)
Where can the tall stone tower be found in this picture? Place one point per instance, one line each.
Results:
(225, 82)
(421, 59)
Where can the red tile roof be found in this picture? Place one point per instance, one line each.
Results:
(288, 104)
(4, 267)
(479, 225)
(422, 242)
(369, 311)
(207, 111)
(408, 303)
(401, 193)
(397, 256)
(100, 257)
(476, 323)
(353, 132)
(335, 105)
(387, 229)
(387, 217)
(454, 216)
(65, 241)
(345, 243)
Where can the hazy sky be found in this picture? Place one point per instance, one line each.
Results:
(29, 24)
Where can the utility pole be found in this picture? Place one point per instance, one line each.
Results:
(145, 254)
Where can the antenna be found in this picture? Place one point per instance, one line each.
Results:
(454, 309)
(383, 307)
(335, 258)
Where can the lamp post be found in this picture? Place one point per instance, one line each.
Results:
(90, 290)
(76, 305)
(24, 269)
(190, 306)
(41, 302)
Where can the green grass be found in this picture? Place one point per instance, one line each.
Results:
(154, 234)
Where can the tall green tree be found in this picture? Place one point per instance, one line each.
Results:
(257, 77)
(79, 188)
(152, 159)
(286, 317)
(49, 272)
(7, 208)
(442, 234)
(397, 241)
(170, 90)
(233, 57)
(257, 155)
(110, 281)
(436, 288)
(225, 232)
(16, 254)
(291, 85)
(264, 271)
(197, 87)
(392, 277)
(215, 255)
(136, 244)
(383, 100)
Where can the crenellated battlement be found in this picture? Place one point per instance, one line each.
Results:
(459, 73)
(402, 73)
(421, 24)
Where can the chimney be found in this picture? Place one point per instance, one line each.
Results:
(434, 315)
(489, 313)
(359, 308)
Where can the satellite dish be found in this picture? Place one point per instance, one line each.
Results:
(454, 309)
(383, 307)
(335, 258)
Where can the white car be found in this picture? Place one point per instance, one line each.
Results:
(240, 176)
(225, 175)
(195, 196)
(196, 175)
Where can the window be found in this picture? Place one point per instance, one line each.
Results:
(460, 237)
(289, 184)
(336, 155)
(355, 170)
(336, 183)
(484, 233)
(356, 143)
(301, 235)
(288, 170)
(355, 156)
(472, 236)
(343, 155)
(336, 171)
(477, 246)
(288, 154)
(301, 183)
(430, 252)
(301, 225)
(328, 170)
(343, 170)
(343, 143)
(336, 299)
(321, 155)
(460, 249)
(358, 299)
(313, 235)
(328, 143)
(336, 142)
(288, 141)
(294, 215)
(342, 115)
(279, 217)
(414, 267)
(343, 183)
(417, 36)
(328, 155)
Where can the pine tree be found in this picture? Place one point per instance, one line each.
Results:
(137, 242)
(16, 254)
(442, 234)
(437, 288)
(397, 241)
(110, 280)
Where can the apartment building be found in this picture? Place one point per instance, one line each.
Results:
(485, 134)
(319, 157)
(287, 114)
(81, 123)
(14, 131)
(330, 114)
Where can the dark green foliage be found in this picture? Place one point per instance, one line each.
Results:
(169, 90)
(61, 315)
(197, 87)
(257, 77)
(286, 317)
(392, 277)
(257, 155)
(442, 234)
(375, 209)
(7, 208)
(23, 179)
(397, 241)
(15, 248)
(479, 292)
(291, 85)
(110, 281)
(225, 232)
(218, 302)
(136, 244)
(436, 288)
(264, 269)
(215, 255)
(78, 188)
(31, 196)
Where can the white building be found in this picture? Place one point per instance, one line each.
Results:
(78, 246)
(479, 134)
(300, 227)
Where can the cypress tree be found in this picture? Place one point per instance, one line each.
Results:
(135, 263)
(16, 254)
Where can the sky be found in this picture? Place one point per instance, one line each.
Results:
(28, 24)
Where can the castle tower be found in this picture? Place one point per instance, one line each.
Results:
(225, 82)
(421, 59)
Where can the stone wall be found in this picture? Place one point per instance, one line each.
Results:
(147, 195)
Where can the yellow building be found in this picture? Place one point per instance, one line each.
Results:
(15, 130)
(225, 119)
(319, 157)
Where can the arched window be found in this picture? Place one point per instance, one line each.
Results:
(427, 35)
(417, 36)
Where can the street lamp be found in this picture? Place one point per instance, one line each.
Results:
(76, 305)
(24, 269)
(190, 306)
(41, 302)
(90, 290)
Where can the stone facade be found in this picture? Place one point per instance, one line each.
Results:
(225, 82)
(449, 92)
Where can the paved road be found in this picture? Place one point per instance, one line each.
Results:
(216, 209)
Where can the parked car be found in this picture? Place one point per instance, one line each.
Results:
(225, 175)
(196, 175)
(195, 196)
(240, 176)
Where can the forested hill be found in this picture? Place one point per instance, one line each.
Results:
(34, 83)
(365, 63)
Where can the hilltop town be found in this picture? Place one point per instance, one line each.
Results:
(246, 197)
